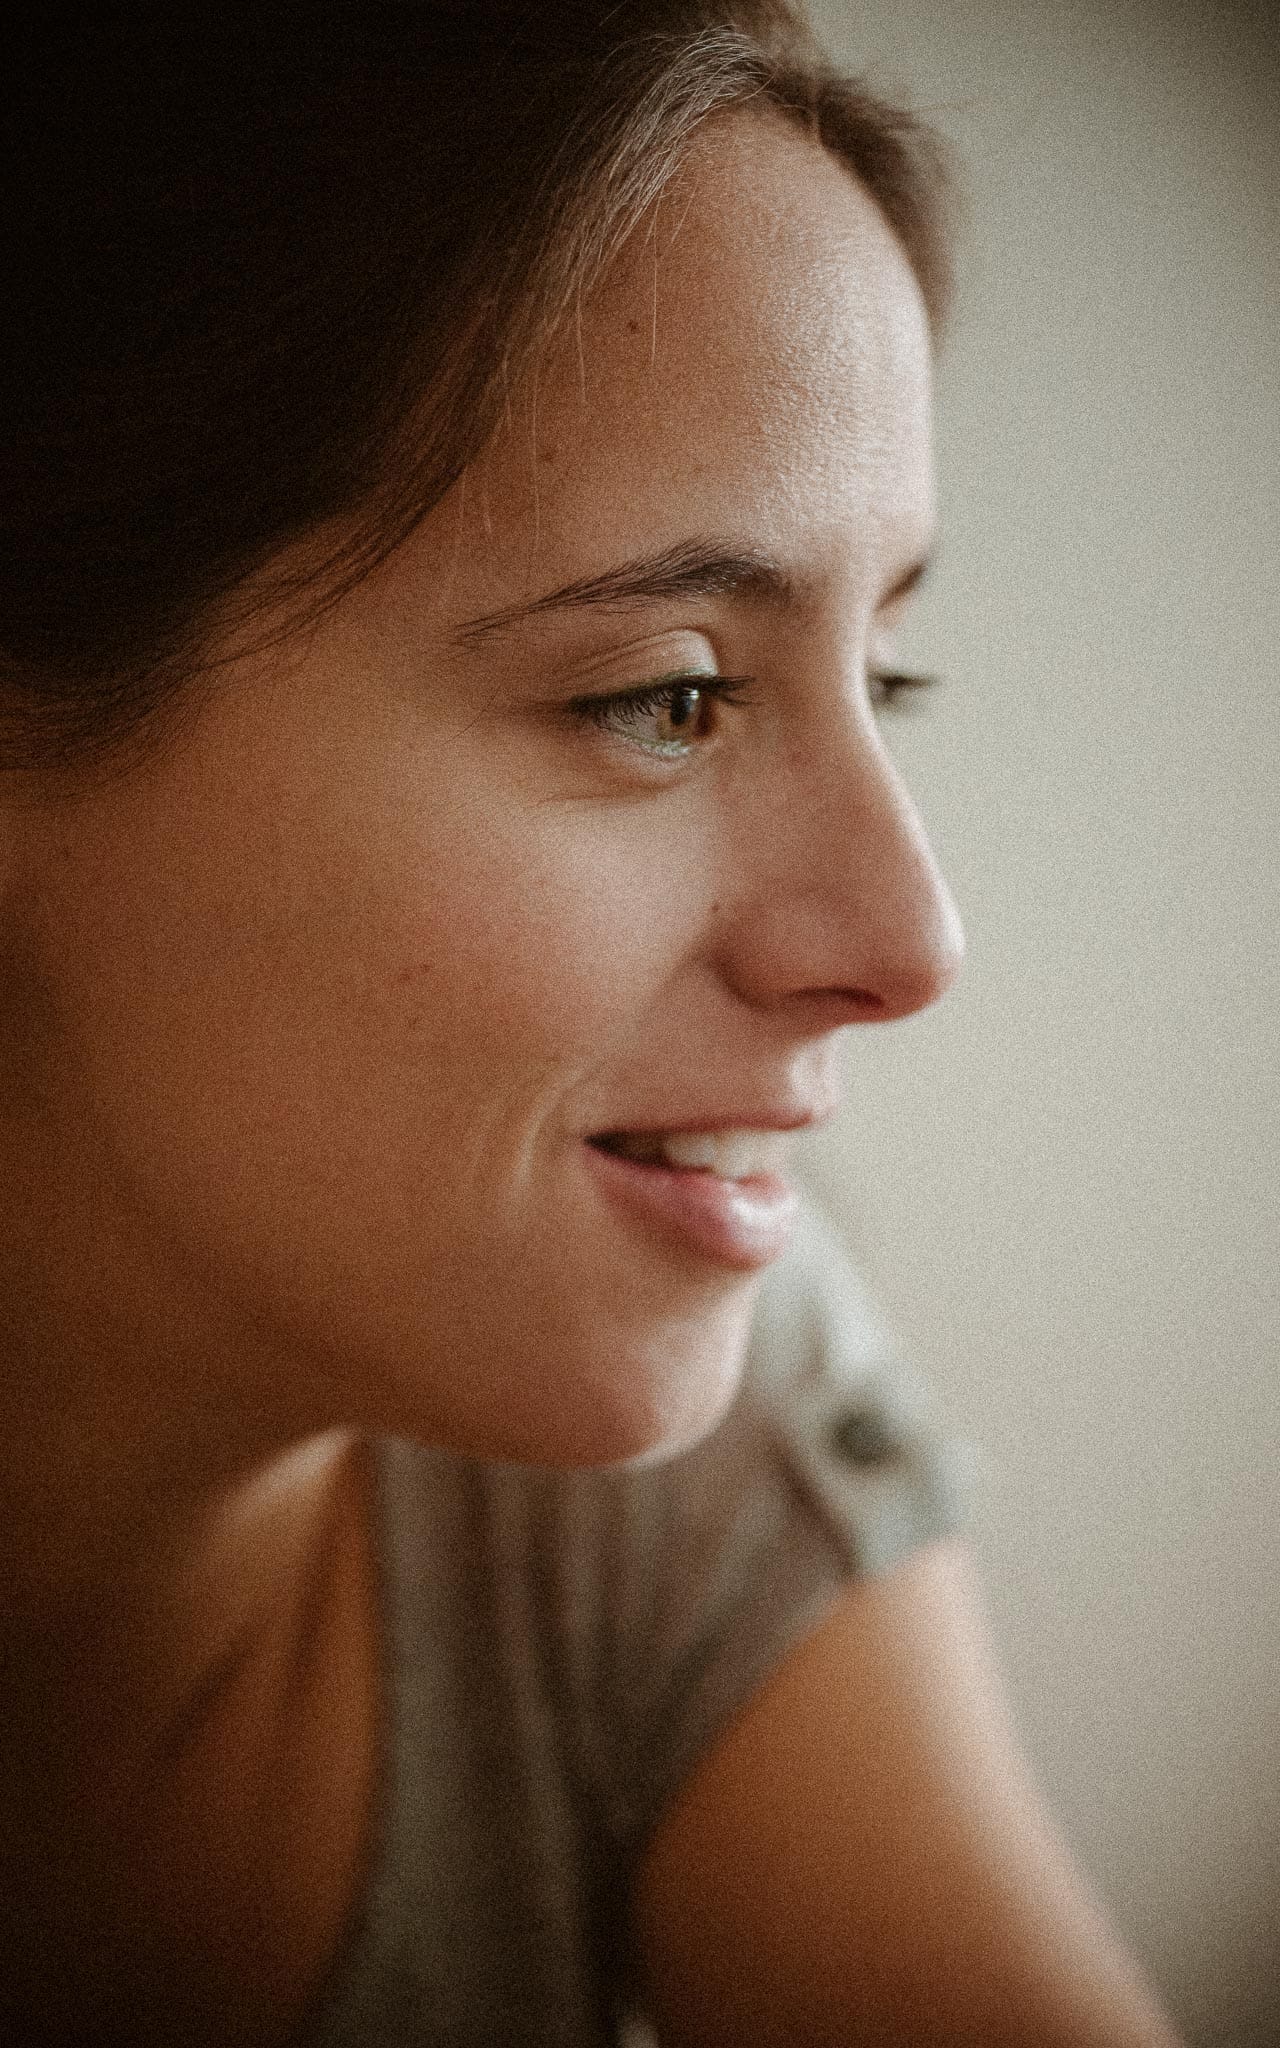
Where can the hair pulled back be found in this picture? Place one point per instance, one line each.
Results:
(278, 282)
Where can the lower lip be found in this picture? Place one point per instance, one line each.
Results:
(741, 1224)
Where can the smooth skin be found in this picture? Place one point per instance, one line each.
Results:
(307, 1018)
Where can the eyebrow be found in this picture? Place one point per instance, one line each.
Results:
(693, 568)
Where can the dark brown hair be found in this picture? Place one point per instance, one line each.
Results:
(273, 282)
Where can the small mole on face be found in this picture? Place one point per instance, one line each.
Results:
(633, 327)
(546, 455)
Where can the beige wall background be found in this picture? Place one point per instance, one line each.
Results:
(1063, 1184)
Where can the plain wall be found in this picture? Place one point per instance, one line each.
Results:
(1062, 1184)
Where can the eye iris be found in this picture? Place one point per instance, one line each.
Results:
(681, 709)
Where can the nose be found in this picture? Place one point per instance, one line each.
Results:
(842, 915)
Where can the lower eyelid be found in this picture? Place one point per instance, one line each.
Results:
(611, 716)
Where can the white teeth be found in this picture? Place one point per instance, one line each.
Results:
(733, 1155)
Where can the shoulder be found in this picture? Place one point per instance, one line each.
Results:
(857, 1850)
(863, 1855)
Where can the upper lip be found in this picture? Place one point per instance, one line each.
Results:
(705, 1122)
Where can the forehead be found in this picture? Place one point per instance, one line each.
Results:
(756, 363)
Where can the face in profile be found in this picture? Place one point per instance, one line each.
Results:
(419, 1030)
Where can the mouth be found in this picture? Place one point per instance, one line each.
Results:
(735, 1155)
(720, 1197)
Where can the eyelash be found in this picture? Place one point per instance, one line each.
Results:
(601, 712)
(886, 687)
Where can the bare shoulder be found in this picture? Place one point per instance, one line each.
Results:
(863, 1856)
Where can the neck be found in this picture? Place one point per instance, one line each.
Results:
(161, 1471)
(122, 1615)
(170, 1800)
(188, 1718)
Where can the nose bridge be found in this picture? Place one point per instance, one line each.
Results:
(849, 904)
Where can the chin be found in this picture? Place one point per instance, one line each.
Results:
(654, 1397)
(565, 1373)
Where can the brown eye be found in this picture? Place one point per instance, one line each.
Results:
(670, 718)
(683, 715)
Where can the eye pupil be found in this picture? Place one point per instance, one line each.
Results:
(683, 706)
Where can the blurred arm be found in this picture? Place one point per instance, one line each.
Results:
(863, 1857)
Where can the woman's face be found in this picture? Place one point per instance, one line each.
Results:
(332, 999)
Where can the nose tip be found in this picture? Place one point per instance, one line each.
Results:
(921, 957)
(900, 925)
(851, 919)
(893, 927)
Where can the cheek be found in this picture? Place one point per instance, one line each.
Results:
(316, 1026)
(311, 1011)
(551, 941)
(329, 1066)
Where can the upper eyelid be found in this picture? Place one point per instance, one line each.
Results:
(714, 681)
(669, 679)
(677, 651)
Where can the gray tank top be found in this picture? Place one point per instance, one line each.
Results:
(562, 1647)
